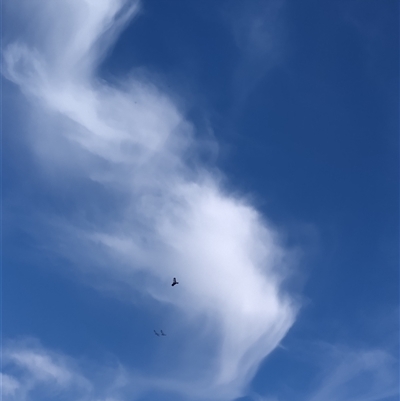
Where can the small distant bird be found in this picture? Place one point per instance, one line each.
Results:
(162, 333)
(174, 282)
(156, 333)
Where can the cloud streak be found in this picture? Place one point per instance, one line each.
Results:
(32, 371)
(172, 218)
(29, 368)
(258, 29)
(358, 375)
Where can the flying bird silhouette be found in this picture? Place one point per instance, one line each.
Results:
(174, 282)
(162, 333)
(156, 333)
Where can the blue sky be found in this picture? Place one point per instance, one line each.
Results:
(248, 148)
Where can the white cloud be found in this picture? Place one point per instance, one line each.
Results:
(358, 375)
(258, 27)
(174, 220)
(9, 385)
(335, 372)
(31, 368)
(41, 366)
(35, 373)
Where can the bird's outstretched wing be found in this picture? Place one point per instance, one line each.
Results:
(156, 333)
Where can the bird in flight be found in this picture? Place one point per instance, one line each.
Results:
(162, 333)
(156, 333)
(174, 282)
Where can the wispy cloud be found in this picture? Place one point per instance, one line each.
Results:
(9, 385)
(30, 370)
(170, 218)
(338, 373)
(33, 372)
(258, 28)
(358, 375)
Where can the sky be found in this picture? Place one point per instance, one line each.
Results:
(248, 148)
